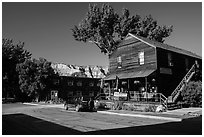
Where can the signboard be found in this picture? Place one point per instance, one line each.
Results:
(119, 94)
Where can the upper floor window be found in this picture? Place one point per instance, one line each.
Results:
(119, 62)
(141, 57)
(170, 61)
(91, 84)
(91, 93)
(79, 83)
(187, 64)
(98, 84)
(79, 93)
(56, 81)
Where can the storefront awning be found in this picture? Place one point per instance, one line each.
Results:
(123, 75)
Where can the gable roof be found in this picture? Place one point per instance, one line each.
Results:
(165, 46)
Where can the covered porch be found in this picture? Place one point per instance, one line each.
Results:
(132, 86)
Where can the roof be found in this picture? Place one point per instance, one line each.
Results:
(75, 77)
(165, 46)
(125, 75)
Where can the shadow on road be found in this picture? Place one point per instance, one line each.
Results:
(21, 124)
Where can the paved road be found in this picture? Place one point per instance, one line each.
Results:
(37, 120)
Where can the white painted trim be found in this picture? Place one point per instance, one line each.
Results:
(32, 104)
(141, 116)
(141, 40)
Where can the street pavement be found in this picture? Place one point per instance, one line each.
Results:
(42, 119)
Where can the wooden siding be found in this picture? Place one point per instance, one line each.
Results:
(128, 50)
(168, 82)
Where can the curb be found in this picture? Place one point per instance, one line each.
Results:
(32, 104)
(45, 106)
(141, 116)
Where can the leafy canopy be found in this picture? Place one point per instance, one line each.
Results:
(192, 93)
(36, 77)
(12, 54)
(105, 28)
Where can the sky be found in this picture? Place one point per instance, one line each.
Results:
(46, 27)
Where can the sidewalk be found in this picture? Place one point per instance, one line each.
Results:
(173, 115)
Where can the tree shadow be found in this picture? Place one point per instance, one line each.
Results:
(21, 124)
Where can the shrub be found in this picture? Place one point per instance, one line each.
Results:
(100, 105)
(118, 105)
(150, 108)
(192, 94)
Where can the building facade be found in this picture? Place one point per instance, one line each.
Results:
(142, 65)
(70, 88)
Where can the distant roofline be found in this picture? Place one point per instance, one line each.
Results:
(79, 65)
(80, 77)
(164, 46)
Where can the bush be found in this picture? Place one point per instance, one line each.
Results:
(192, 94)
(150, 108)
(100, 105)
(128, 107)
(118, 105)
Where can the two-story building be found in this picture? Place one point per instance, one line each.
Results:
(145, 65)
(70, 87)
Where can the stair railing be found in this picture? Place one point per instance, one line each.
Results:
(183, 82)
(163, 100)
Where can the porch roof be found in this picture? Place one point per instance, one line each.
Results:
(125, 75)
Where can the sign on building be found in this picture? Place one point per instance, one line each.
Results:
(120, 94)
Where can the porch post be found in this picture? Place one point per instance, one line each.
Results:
(109, 89)
(128, 93)
(128, 84)
(146, 83)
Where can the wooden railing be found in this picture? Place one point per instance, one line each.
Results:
(163, 100)
(141, 97)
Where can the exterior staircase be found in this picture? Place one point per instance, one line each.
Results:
(175, 94)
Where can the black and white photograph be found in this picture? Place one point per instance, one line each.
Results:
(101, 68)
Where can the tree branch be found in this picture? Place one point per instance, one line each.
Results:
(98, 45)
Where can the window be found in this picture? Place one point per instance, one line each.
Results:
(79, 83)
(141, 57)
(170, 62)
(187, 64)
(99, 84)
(91, 84)
(56, 81)
(91, 93)
(119, 61)
(70, 83)
(70, 93)
(79, 93)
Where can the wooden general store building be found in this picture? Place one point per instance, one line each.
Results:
(145, 65)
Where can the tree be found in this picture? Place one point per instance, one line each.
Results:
(36, 78)
(192, 93)
(105, 28)
(12, 54)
